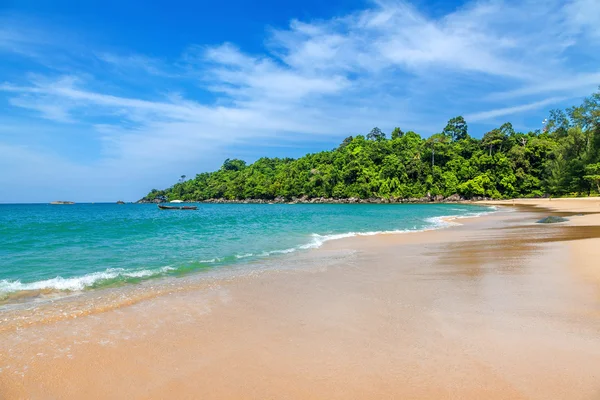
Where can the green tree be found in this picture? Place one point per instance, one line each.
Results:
(558, 123)
(495, 138)
(397, 133)
(376, 134)
(593, 175)
(345, 143)
(456, 128)
(436, 143)
(233, 165)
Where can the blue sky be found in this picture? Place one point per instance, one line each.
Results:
(105, 100)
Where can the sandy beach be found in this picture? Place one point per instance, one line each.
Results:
(495, 307)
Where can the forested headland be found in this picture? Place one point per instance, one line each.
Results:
(562, 158)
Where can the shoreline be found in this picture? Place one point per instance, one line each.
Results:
(497, 307)
(455, 198)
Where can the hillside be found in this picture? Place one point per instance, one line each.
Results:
(561, 159)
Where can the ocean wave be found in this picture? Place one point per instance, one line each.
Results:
(238, 256)
(316, 242)
(212, 260)
(446, 221)
(442, 222)
(319, 240)
(81, 282)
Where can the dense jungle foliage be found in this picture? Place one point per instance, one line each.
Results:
(562, 158)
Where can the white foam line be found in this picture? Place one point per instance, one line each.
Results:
(80, 282)
(244, 255)
(446, 221)
(212, 260)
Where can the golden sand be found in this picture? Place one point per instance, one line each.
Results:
(496, 308)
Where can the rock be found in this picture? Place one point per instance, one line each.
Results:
(552, 220)
(454, 197)
(153, 201)
(438, 198)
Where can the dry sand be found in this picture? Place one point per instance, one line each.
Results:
(496, 308)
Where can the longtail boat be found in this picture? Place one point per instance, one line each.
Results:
(177, 207)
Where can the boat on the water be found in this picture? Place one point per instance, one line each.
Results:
(177, 207)
(61, 202)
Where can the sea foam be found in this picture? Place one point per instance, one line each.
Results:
(81, 282)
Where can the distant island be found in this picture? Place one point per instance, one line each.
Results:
(560, 159)
(60, 202)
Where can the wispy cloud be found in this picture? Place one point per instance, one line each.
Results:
(138, 62)
(575, 84)
(387, 65)
(501, 112)
(583, 17)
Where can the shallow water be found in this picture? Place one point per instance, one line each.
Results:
(76, 247)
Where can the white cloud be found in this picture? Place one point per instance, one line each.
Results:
(17, 41)
(501, 112)
(249, 78)
(137, 62)
(576, 84)
(584, 16)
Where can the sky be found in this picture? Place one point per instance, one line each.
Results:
(105, 100)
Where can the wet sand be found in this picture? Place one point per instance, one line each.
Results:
(496, 308)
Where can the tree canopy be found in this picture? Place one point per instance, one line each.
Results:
(562, 159)
(456, 128)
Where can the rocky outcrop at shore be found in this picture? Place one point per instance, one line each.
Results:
(327, 200)
(552, 220)
(150, 201)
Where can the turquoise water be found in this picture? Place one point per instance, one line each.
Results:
(76, 247)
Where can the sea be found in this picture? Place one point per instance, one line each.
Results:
(81, 247)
